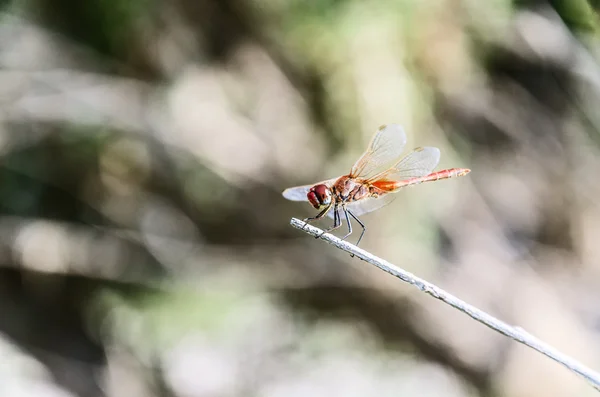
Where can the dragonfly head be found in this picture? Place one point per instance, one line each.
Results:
(319, 196)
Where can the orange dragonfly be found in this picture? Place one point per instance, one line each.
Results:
(377, 173)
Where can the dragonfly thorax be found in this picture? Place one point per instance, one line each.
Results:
(348, 189)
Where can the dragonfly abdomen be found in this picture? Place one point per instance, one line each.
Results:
(391, 185)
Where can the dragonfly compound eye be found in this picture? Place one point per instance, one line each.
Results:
(319, 196)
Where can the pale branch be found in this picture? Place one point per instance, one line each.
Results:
(516, 333)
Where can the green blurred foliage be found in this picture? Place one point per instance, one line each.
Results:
(110, 27)
(580, 15)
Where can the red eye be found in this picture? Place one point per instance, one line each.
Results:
(322, 192)
(313, 200)
(319, 196)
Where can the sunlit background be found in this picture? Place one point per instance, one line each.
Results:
(145, 245)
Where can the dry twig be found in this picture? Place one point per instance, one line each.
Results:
(516, 333)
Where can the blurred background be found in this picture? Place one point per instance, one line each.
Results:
(145, 245)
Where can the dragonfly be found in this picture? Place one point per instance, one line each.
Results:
(379, 172)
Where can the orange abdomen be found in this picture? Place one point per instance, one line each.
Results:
(388, 185)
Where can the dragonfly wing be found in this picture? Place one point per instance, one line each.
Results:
(298, 193)
(420, 162)
(384, 149)
(367, 205)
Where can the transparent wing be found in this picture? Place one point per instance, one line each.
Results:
(366, 205)
(298, 193)
(384, 149)
(420, 162)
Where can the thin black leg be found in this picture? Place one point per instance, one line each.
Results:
(349, 224)
(337, 221)
(364, 228)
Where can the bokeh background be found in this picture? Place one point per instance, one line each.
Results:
(145, 247)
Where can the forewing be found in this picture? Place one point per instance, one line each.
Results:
(366, 205)
(384, 149)
(298, 193)
(420, 162)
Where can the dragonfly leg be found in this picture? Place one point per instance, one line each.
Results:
(317, 217)
(337, 221)
(348, 222)
(364, 228)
